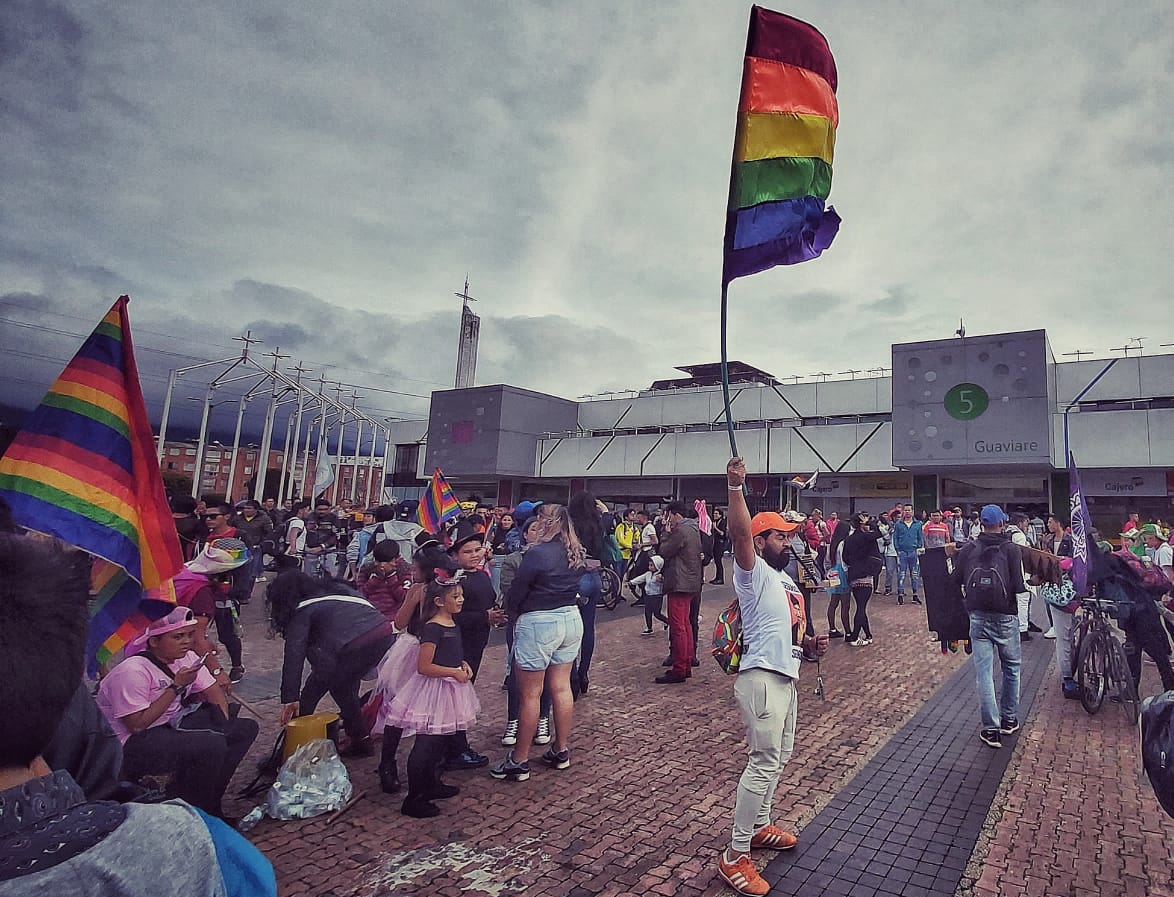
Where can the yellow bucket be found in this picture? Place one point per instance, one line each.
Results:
(303, 729)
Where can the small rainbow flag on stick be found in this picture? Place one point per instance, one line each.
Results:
(84, 470)
(438, 504)
(782, 168)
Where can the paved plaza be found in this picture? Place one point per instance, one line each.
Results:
(890, 789)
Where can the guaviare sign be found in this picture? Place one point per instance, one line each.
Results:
(973, 401)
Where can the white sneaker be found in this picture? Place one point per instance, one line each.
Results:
(510, 738)
(1051, 633)
(542, 736)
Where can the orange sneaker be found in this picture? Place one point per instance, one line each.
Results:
(773, 837)
(742, 876)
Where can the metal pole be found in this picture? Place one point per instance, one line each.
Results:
(383, 472)
(371, 463)
(306, 482)
(355, 471)
(1080, 395)
(291, 451)
(171, 378)
(266, 442)
(338, 472)
(199, 471)
(285, 466)
(236, 441)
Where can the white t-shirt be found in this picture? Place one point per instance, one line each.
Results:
(764, 600)
(648, 536)
(1164, 556)
(295, 537)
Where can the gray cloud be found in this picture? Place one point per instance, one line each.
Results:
(329, 180)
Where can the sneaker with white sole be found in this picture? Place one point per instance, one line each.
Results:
(510, 738)
(1051, 633)
(742, 876)
(557, 759)
(991, 737)
(510, 770)
(542, 736)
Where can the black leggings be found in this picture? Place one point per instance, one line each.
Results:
(860, 623)
(424, 763)
(1144, 632)
(654, 607)
(225, 621)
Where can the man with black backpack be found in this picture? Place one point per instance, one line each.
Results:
(990, 572)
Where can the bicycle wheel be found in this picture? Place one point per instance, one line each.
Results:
(1121, 685)
(1091, 671)
(610, 583)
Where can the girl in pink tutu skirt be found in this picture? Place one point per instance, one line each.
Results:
(438, 700)
(399, 665)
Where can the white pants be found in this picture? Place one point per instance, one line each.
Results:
(1024, 601)
(768, 702)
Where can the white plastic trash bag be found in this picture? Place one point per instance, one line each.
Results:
(312, 781)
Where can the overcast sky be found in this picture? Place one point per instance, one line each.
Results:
(326, 175)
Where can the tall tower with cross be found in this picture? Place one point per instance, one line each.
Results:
(467, 346)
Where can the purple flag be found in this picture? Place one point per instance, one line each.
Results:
(1081, 526)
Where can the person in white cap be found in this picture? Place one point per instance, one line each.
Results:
(204, 586)
(172, 717)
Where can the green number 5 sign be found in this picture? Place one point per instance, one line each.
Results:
(966, 401)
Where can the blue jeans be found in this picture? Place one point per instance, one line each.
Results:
(907, 560)
(591, 588)
(991, 633)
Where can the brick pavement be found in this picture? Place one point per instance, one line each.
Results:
(647, 803)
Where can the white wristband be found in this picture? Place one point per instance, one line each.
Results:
(733, 488)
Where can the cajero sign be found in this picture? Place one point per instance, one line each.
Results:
(1138, 483)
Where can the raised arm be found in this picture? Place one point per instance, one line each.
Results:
(738, 516)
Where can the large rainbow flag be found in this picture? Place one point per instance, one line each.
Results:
(84, 470)
(438, 504)
(782, 168)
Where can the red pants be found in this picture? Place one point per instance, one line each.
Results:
(680, 633)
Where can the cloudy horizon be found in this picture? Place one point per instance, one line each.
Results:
(328, 181)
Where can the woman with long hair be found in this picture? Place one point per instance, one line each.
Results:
(841, 596)
(543, 604)
(862, 561)
(586, 518)
(719, 547)
(340, 633)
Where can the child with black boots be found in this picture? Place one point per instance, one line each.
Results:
(438, 701)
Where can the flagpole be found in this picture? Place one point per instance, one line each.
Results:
(726, 375)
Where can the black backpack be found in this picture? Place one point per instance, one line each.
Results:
(986, 584)
(1157, 746)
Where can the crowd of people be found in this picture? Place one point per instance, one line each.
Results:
(368, 594)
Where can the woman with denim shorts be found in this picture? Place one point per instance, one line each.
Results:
(542, 603)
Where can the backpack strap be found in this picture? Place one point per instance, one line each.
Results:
(350, 599)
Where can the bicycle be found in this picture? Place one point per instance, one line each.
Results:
(610, 595)
(1101, 668)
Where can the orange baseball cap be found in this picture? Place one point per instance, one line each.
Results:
(767, 520)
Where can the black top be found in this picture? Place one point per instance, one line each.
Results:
(1009, 563)
(319, 631)
(545, 580)
(479, 597)
(450, 652)
(862, 554)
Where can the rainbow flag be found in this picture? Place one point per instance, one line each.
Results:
(83, 470)
(438, 504)
(782, 168)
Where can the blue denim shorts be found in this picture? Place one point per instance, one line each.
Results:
(544, 638)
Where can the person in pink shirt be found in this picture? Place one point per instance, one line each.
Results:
(172, 717)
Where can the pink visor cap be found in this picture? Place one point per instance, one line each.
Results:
(180, 618)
